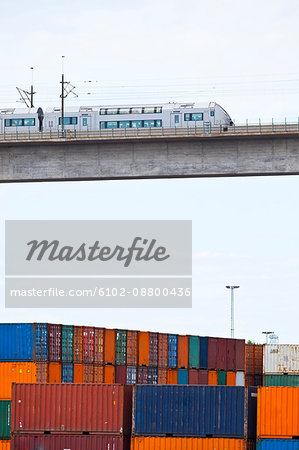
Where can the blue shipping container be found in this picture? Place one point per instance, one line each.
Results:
(67, 374)
(172, 351)
(278, 444)
(183, 376)
(16, 342)
(203, 352)
(41, 341)
(198, 411)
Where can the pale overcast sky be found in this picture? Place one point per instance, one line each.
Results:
(240, 54)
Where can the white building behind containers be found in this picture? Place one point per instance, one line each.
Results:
(281, 359)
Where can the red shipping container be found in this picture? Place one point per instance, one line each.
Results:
(88, 344)
(183, 352)
(78, 345)
(153, 349)
(88, 373)
(93, 408)
(143, 348)
(132, 348)
(240, 355)
(54, 342)
(163, 350)
(203, 377)
(109, 374)
(73, 442)
(142, 375)
(99, 345)
(121, 374)
(193, 376)
(162, 376)
(212, 353)
(109, 346)
(231, 354)
(221, 359)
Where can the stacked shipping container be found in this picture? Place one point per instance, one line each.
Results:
(278, 418)
(281, 365)
(193, 417)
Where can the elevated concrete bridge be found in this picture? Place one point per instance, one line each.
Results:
(150, 153)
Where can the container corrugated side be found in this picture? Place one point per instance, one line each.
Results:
(41, 341)
(213, 411)
(278, 412)
(281, 358)
(5, 408)
(281, 380)
(75, 442)
(100, 408)
(16, 342)
(19, 372)
(4, 444)
(177, 443)
(278, 444)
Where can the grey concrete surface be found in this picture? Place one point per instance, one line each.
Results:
(273, 154)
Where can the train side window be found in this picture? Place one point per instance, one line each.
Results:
(103, 111)
(69, 120)
(103, 125)
(16, 122)
(198, 116)
(158, 123)
(124, 111)
(136, 110)
(136, 123)
(148, 110)
(84, 122)
(112, 111)
(148, 123)
(124, 124)
(29, 122)
(111, 124)
(159, 109)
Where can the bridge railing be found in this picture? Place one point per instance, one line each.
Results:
(200, 130)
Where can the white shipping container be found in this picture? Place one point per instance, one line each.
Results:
(281, 358)
(240, 379)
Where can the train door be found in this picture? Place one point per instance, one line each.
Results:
(85, 122)
(175, 119)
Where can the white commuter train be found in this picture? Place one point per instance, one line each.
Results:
(169, 115)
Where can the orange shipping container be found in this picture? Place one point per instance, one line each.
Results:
(172, 376)
(162, 376)
(178, 443)
(78, 345)
(4, 445)
(183, 356)
(98, 374)
(231, 378)
(78, 373)
(109, 376)
(143, 348)
(213, 377)
(278, 412)
(99, 345)
(163, 350)
(109, 346)
(54, 373)
(17, 372)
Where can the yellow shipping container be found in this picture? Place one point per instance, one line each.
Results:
(177, 443)
(16, 372)
(4, 445)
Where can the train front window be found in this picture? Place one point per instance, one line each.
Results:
(212, 113)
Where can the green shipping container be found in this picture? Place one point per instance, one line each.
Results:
(5, 407)
(222, 378)
(121, 347)
(281, 380)
(194, 352)
(67, 343)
